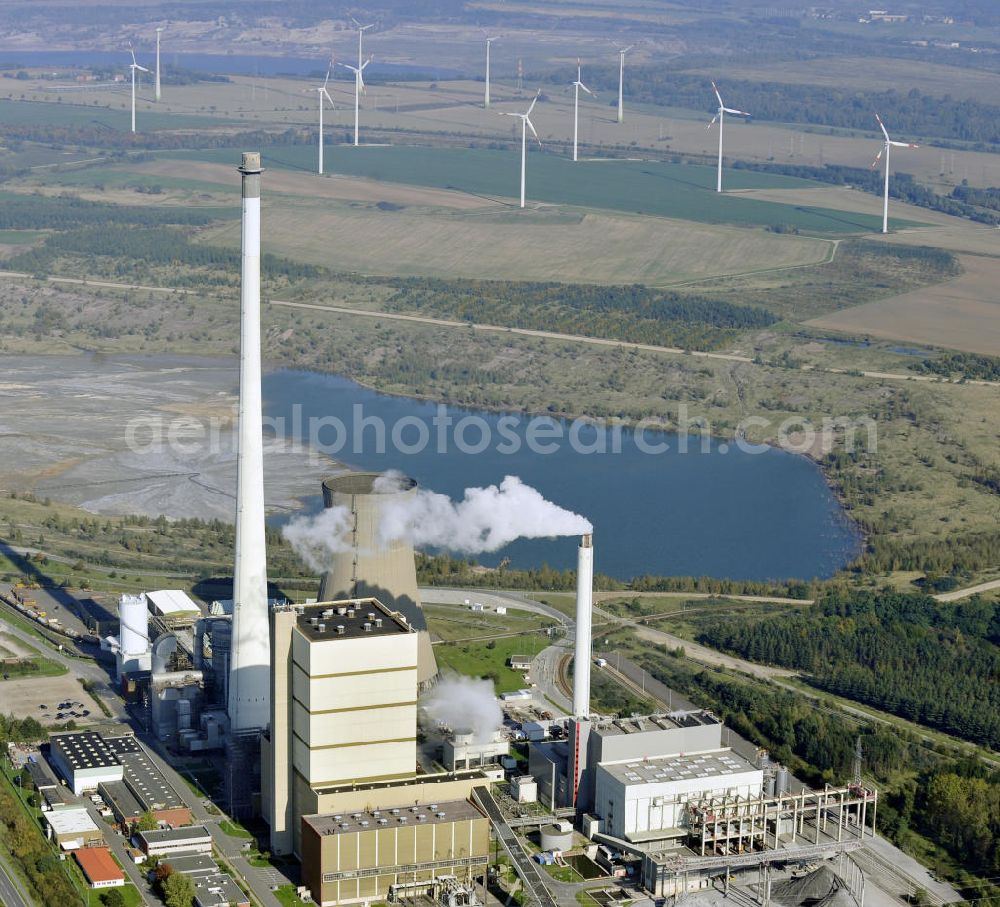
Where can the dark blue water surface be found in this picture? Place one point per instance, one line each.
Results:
(720, 512)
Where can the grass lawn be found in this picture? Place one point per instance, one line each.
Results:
(488, 658)
(234, 829)
(287, 896)
(683, 191)
(129, 892)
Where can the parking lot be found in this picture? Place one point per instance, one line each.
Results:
(22, 698)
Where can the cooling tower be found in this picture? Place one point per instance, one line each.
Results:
(370, 567)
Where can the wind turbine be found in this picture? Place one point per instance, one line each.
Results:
(621, 82)
(323, 93)
(359, 87)
(134, 66)
(361, 30)
(577, 85)
(720, 116)
(889, 143)
(526, 124)
(158, 30)
(489, 41)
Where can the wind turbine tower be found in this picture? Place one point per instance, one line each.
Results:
(323, 93)
(361, 31)
(886, 146)
(621, 82)
(577, 85)
(359, 87)
(158, 30)
(250, 657)
(526, 124)
(134, 67)
(489, 42)
(720, 115)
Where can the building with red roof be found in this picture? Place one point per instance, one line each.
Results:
(99, 867)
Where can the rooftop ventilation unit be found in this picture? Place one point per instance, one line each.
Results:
(340, 629)
(368, 627)
(342, 610)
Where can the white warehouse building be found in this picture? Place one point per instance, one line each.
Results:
(645, 801)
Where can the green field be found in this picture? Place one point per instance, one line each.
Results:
(683, 191)
(115, 117)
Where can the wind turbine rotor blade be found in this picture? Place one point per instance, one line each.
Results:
(903, 145)
(531, 126)
(533, 103)
(719, 96)
(133, 54)
(882, 125)
(739, 113)
(332, 105)
(712, 122)
(625, 50)
(365, 64)
(878, 157)
(140, 68)
(584, 87)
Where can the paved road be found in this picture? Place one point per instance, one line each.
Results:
(259, 880)
(116, 843)
(10, 891)
(83, 667)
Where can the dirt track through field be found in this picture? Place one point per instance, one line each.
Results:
(961, 314)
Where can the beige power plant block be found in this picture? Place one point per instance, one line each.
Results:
(343, 706)
(371, 565)
(380, 854)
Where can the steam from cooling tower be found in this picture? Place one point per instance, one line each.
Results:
(315, 538)
(486, 519)
(463, 703)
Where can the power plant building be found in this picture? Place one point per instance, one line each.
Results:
(370, 565)
(397, 852)
(341, 789)
(343, 706)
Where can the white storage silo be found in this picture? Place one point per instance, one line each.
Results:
(133, 615)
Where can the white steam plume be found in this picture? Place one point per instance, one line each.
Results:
(316, 538)
(486, 519)
(465, 704)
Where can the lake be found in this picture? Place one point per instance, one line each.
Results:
(714, 510)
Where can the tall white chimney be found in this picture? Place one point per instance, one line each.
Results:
(584, 616)
(250, 658)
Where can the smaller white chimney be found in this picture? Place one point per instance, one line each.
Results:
(584, 617)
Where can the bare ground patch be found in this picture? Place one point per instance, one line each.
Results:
(22, 698)
(961, 314)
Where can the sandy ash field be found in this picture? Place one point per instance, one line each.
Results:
(92, 424)
(961, 314)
